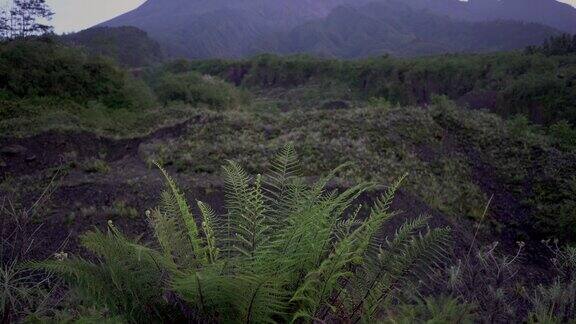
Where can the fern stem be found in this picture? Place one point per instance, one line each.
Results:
(252, 302)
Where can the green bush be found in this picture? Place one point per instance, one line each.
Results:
(434, 310)
(42, 68)
(540, 87)
(283, 251)
(563, 135)
(195, 89)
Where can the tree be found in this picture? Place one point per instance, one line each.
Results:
(4, 24)
(559, 45)
(25, 18)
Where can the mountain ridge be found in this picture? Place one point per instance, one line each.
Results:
(202, 29)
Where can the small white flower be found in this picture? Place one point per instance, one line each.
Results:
(521, 244)
(61, 256)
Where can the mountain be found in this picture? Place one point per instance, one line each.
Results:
(129, 46)
(200, 29)
(395, 28)
(218, 28)
(547, 12)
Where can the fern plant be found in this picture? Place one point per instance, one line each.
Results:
(284, 251)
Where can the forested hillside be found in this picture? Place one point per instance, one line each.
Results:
(343, 28)
(392, 27)
(547, 12)
(129, 46)
(535, 84)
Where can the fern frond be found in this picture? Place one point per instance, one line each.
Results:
(278, 182)
(325, 280)
(127, 280)
(383, 203)
(265, 299)
(412, 261)
(208, 227)
(210, 292)
(170, 234)
(245, 298)
(246, 206)
(319, 284)
(186, 216)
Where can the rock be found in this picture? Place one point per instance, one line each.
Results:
(13, 150)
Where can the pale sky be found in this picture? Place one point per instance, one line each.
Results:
(74, 15)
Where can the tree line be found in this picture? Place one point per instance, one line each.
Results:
(560, 45)
(23, 18)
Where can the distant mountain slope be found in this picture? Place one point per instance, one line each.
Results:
(129, 46)
(547, 12)
(395, 28)
(219, 28)
(339, 28)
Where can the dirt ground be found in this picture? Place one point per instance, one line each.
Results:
(81, 199)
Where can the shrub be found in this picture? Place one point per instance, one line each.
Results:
(283, 251)
(42, 68)
(435, 310)
(194, 88)
(563, 135)
(556, 302)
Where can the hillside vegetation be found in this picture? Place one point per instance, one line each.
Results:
(540, 86)
(129, 46)
(436, 189)
(46, 85)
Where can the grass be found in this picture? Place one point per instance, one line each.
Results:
(456, 158)
(95, 166)
(382, 144)
(43, 115)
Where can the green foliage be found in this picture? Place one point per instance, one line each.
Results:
(509, 84)
(175, 204)
(563, 135)
(521, 127)
(434, 310)
(32, 116)
(127, 45)
(559, 45)
(383, 143)
(127, 280)
(42, 68)
(281, 253)
(195, 89)
(556, 302)
(121, 209)
(538, 175)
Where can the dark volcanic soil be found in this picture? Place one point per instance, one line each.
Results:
(82, 200)
(22, 156)
(79, 200)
